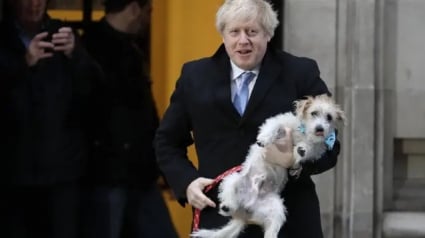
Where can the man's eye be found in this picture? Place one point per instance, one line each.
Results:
(252, 32)
(233, 32)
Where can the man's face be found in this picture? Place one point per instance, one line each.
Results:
(245, 43)
(29, 11)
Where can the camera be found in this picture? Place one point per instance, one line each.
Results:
(51, 28)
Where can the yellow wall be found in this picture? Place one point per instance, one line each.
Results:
(182, 30)
(73, 15)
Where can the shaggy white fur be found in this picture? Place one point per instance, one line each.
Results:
(252, 196)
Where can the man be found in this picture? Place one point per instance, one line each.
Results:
(201, 111)
(43, 90)
(125, 195)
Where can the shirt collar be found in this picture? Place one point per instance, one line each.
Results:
(23, 35)
(236, 71)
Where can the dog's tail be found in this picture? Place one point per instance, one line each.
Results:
(230, 230)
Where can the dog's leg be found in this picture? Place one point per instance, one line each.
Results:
(300, 152)
(275, 220)
(230, 230)
(228, 195)
(271, 131)
(270, 213)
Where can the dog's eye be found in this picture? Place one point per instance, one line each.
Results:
(314, 113)
(329, 117)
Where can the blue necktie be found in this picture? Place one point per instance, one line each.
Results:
(242, 95)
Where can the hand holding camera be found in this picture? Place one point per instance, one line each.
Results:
(64, 41)
(38, 49)
(44, 44)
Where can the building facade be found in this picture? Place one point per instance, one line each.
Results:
(372, 55)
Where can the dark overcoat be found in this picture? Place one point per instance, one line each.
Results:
(43, 111)
(123, 111)
(201, 111)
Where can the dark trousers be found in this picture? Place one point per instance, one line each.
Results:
(118, 212)
(40, 211)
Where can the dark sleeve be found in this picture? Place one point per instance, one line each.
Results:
(85, 73)
(171, 141)
(13, 68)
(311, 86)
(326, 162)
(82, 65)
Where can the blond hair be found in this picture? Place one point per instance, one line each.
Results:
(245, 10)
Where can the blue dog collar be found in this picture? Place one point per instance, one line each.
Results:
(330, 140)
(301, 128)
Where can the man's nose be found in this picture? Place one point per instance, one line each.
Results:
(243, 38)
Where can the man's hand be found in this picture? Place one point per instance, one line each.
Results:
(195, 195)
(64, 40)
(38, 49)
(281, 151)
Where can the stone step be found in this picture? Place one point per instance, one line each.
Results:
(404, 225)
(409, 204)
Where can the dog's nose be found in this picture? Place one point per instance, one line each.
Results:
(319, 129)
(224, 209)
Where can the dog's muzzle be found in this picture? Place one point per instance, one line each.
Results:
(319, 131)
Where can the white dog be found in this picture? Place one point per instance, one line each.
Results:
(252, 196)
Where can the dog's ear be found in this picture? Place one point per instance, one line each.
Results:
(340, 115)
(301, 106)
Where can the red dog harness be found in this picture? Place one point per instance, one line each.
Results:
(197, 213)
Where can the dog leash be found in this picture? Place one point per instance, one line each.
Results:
(197, 213)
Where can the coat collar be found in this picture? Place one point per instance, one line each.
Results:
(12, 38)
(269, 71)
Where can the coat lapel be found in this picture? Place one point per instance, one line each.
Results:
(222, 91)
(269, 72)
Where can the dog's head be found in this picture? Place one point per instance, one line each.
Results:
(320, 116)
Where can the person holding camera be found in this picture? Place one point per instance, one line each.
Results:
(44, 90)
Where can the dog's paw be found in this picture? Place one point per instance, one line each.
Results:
(271, 131)
(301, 151)
(225, 210)
(295, 171)
(271, 138)
(203, 233)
